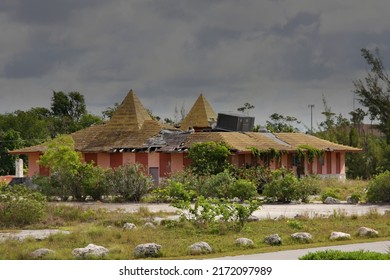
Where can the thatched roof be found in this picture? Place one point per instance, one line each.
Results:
(299, 139)
(201, 115)
(130, 126)
(132, 129)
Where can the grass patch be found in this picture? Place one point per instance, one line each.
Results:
(339, 255)
(105, 228)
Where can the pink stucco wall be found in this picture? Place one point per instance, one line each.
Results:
(177, 162)
(33, 166)
(128, 158)
(103, 160)
(154, 159)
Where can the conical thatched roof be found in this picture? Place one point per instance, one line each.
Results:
(130, 115)
(201, 115)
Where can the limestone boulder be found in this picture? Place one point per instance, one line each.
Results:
(302, 236)
(40, 253)
(273, 239)
(129, 226)
(90, 250)
(147, 250)
(200, 248)
(331, 200)
(336, 235)
(246, 242)
(149, 225)
(367, 232)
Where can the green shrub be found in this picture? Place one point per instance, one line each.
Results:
(329, 193)
(243, 189)
(21, 206)
(340, 255)
(379, 188)
(307, 186)
(282, 187)
(217, 185)
(129, 182)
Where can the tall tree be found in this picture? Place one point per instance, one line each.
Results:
(280, 123)
(246, 108)
(374, 91)
(9, 140)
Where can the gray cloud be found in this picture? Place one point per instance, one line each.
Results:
(277, 55)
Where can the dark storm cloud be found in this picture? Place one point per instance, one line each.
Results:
(43, 11)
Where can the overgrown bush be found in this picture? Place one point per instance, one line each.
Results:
(218, 185)
(282, 187)
(259, 175)
(21, 206)
(243, 189)
(129, 182)
(329, 193)
(379, 188)
(309, 185)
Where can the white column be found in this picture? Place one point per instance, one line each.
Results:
(19, 167)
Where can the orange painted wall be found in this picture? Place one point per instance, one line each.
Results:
(153, 159)
(142, 158)
(177, 162)
(165, 164)
(33, 166)
(90, 157)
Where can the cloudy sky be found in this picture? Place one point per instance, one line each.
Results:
(278, 55)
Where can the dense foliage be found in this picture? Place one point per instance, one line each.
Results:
(340, 255)
(20, 206)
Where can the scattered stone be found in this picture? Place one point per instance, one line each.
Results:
(129, 226)
(273, 239)
(302, 236)
(147, 250)
(149, 225)
(244, 242)
(331, 200)
(200, 248)
(236, 199)
(352, 200)
(253, 218)
(339, 236)
(39, 253)
(369, 232)
(90, 250)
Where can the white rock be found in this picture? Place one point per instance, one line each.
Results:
(39, 253)
(149, 225)
(200, 248)
(244, 241)
(365, 231)
(147, 250)
(302, 236)
(90, 250)
(273, 239)
(129, 226)
(331, 200)
(336, 235)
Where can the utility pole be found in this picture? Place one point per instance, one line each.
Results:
(311, 106)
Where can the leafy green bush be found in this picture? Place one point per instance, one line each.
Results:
(243, 189)
(379, 188)
(217, 185)
(329, 193)
(340, 255)
(21, 206)
(282, 187)
(129, 182)
(307, 186)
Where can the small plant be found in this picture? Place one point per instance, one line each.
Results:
(307, 186)
(340, 255)
(329, 193)
(294, 224)
(243, 189)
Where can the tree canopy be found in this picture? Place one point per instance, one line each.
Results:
(374, 91)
